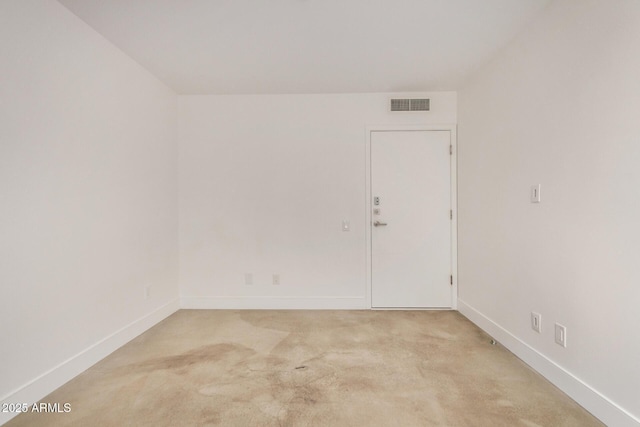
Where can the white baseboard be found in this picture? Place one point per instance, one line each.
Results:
(593, 401)
(44, 384)
(274, 303)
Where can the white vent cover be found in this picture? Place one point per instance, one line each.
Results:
(410, 104)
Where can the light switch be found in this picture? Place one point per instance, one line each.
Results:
(346, 225)
(535, 193)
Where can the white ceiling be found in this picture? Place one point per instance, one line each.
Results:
(308, 46)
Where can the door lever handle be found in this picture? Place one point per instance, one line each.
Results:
(379, 224)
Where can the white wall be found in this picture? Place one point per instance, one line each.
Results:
(559, 107)
(88, 195)
(265, 182)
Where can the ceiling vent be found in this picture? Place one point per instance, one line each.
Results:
(410, 104)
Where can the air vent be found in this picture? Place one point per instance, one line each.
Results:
(410, 104)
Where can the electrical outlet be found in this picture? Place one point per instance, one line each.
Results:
(536, 321)
(561, 335)
(276, 279)
(248, 279)
(147, 292)
(346, 225)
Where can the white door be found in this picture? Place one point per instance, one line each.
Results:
(410, 216)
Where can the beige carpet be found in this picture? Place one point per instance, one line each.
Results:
(311, 368)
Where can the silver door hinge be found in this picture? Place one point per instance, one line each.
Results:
(451, 280)
(451, 150)
(451, 214)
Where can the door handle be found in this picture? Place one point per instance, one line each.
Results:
(379, 224)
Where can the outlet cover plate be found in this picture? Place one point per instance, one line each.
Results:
(536, 322)
(561, 335)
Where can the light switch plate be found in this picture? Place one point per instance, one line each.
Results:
(346, 225)
(535, 193)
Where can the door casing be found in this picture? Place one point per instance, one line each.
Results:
(454, 201)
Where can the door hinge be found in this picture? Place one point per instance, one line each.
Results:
(451, 214)
(451, 280)
(451, 150)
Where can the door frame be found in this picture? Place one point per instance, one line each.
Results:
(454, 200)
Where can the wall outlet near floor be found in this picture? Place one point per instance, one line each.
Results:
(536, 321)
(147, 291)
(276, 279)
(248, 279)
(561, 335)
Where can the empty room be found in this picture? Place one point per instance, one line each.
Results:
(320, 212)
